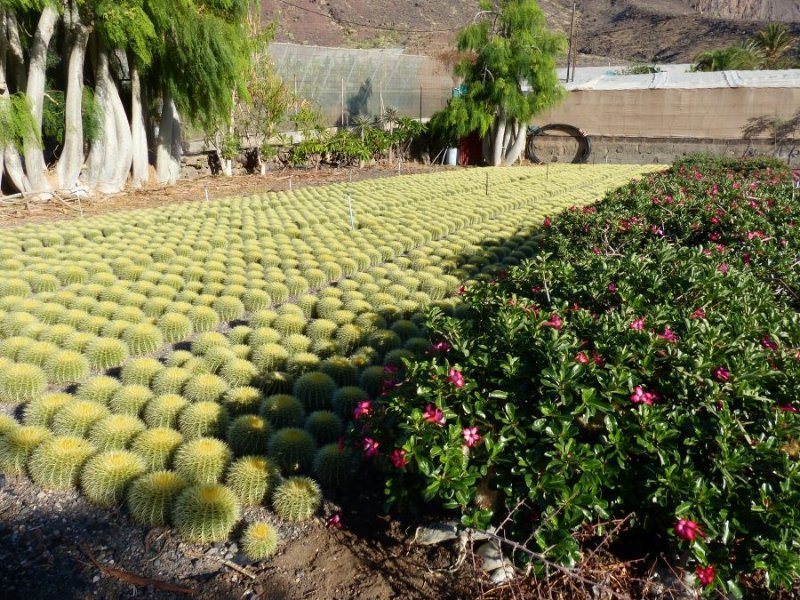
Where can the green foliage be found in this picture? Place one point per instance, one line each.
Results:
(297, 499)
(655, 334)
(17, 124)
(767, 49)
(53, 115)
(205, 513)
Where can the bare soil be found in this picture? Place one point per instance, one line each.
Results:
(57, 545)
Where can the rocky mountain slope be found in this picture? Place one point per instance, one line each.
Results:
(608, 30)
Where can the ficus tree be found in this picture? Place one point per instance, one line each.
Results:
(507, 59)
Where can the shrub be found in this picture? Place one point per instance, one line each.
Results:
(643, 363)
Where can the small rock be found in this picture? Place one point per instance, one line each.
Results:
(233, 548)
(491, 556)
(506, 572)
(96, 578)
(40, 496)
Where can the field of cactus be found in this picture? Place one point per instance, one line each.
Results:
(187, 361)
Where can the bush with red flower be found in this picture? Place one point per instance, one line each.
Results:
(669, 395)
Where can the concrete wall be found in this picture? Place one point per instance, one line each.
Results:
(716, 113)
(641, 150)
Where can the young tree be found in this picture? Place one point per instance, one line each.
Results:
(508, 64)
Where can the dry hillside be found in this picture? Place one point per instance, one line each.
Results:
(621, 30)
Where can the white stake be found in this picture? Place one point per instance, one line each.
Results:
(350, 206)
(205, 189)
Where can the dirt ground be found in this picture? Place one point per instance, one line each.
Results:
(17, 211)
(57, 545)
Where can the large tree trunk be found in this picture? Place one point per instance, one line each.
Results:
(15, 52)
(499, 140)
(140, 161)
(34, 159)
(168, 151)
(12, 167)
(517, 144)
(71, 161)
(110, 156)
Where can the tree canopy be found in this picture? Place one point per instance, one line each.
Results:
(507, 59)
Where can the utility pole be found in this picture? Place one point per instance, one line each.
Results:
(571, 36)
(574, 41)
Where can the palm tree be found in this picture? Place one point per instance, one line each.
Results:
(774, 43)
(743, 57)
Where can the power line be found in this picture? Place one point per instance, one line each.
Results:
(365, 25)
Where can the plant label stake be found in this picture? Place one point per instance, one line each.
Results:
(350, 206)
(290, 183)
(205, 189)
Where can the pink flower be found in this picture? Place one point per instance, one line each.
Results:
(595, 250)
(721, 374)
(456, 378)
(461, 290)
(547, 222)
(668, 335)
(398, 458)
(334, 521)
(363, 409)
(582, 358)
(598, 360)
(441, 347)
(369, 447)
(789, 408)
(390, 369)
(699, 314)
(554, 322)
(688, 530)
(433, 415)
(612, 287)
(705, 575)
(723, 268)
(639, 396)
(638, 324)
(768, 343)
(471, 436)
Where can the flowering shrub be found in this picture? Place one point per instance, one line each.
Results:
(645, 362)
